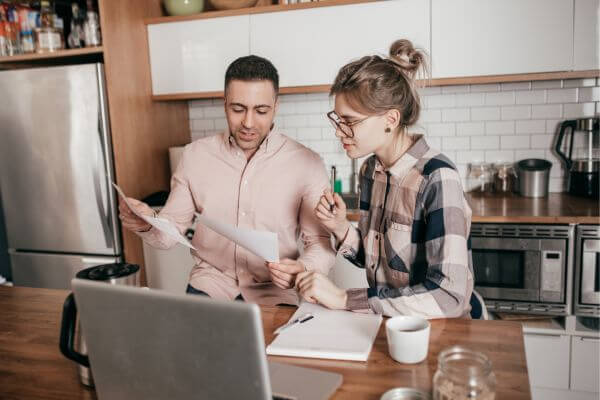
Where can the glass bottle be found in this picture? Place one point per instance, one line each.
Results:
(91, 26)
(504, 177)
(47, 36)
(75, 39)
(463, 374)
(480, 177)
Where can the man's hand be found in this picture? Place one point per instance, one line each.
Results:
(283, 273)
(131, 221)
(315, 287)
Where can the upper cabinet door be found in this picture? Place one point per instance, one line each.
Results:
(587, 35)
(491, 37)
(192, 56)
(308, 47)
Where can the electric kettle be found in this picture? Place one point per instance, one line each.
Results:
(584, 170)
(70, 331)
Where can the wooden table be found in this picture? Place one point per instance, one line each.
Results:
(32, 367)
(556, 208)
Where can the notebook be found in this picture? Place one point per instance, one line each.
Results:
(331, 334)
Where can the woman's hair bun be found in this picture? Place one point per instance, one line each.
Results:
(409, 59)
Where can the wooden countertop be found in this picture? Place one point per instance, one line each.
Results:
(557, 208)
(32, 366)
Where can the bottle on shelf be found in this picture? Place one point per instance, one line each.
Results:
(47, 36)
(76, 37)
(9, 18)
(91, 26)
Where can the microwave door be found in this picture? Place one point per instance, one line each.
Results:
(590, 272)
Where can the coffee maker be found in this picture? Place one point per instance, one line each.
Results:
(581, 136)
(72, 342)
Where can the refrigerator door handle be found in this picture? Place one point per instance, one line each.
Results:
(105, 219)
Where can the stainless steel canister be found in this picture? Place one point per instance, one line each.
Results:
(534, 177)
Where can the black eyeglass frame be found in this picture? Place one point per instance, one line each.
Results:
(338, 125)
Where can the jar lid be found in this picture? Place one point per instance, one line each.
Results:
(404, 393)
(106, 272)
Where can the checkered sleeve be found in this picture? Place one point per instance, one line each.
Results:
(446, 290)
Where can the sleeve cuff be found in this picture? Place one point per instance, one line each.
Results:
(351, 243)
(357, 299)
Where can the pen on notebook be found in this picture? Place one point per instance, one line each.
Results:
(299, 320)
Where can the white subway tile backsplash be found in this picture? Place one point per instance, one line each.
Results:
(500, 128)
(514, 142)
(485, 113)
(557, 185)
(485, 142)
(491, 87)
(455, 143)
(516, 112)
(555, 84)
(589, 94)
(516, 86)
(498, 156)
(579, 110)
(491, 122)
(530, 126)
(531, 97)
(470, 99)
(470, 128)
(499, 99)
(546, 111)
(562, 96)
(456, 114)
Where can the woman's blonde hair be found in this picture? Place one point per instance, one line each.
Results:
(373, 85)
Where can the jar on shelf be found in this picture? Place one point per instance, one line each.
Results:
(505, 177)
(480, 177)
(463, 374)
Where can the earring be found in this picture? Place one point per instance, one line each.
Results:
(387, 130)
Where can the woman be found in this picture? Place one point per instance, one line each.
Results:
(412, 237)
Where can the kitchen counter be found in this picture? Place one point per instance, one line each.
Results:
(557, 208)
(32, 366)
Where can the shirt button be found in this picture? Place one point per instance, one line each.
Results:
(243, 214)
(376, 237)
(245, 181)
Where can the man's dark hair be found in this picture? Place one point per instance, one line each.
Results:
(252, 68)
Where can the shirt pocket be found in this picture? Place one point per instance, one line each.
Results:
(397, 253)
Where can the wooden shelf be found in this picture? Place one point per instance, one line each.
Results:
(253, 10)
(52, 55)
(469, 80)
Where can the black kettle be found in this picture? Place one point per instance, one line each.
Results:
(70, 331)
(584, 170)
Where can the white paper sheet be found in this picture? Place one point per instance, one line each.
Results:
(331, 334)
(161, 224)
(264, 244)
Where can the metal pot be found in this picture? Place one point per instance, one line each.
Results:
(70, 331)
(534, 177)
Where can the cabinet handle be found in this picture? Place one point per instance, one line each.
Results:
(589, 339)
(543, 335)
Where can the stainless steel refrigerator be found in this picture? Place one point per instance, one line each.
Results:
(55, 172)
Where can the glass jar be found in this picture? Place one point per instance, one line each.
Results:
(463, 374)
(480, 177)
(505, 177)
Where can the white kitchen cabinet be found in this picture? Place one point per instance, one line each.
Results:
(548, 360)
(587, 35)
(309, 46)
(192, 56)
(491, 37)
(585, 359)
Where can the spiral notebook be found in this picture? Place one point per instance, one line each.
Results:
(330, 334)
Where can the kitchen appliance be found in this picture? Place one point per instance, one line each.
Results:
(70, 330)
(524, 268)
(534, 177)
(583, 137)
(587, 271)
(55, 172)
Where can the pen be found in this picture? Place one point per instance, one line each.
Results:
(299, 320)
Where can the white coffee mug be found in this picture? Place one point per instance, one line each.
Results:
(408, 338)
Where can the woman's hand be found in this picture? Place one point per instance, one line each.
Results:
(315, 287)
(131, 221)
(331, 213)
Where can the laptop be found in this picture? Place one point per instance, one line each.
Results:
(151, 344)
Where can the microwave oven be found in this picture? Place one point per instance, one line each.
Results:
(524, 268)
(587, 271)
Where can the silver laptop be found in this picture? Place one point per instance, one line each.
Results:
(150, 344)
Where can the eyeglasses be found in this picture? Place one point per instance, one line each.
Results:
(343, 126)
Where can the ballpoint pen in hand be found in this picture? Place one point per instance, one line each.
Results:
(299, 320)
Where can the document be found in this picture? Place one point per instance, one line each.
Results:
(264, 244)
(330, 334)
(161, 224)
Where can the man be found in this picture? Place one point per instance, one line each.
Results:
(251, 177)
